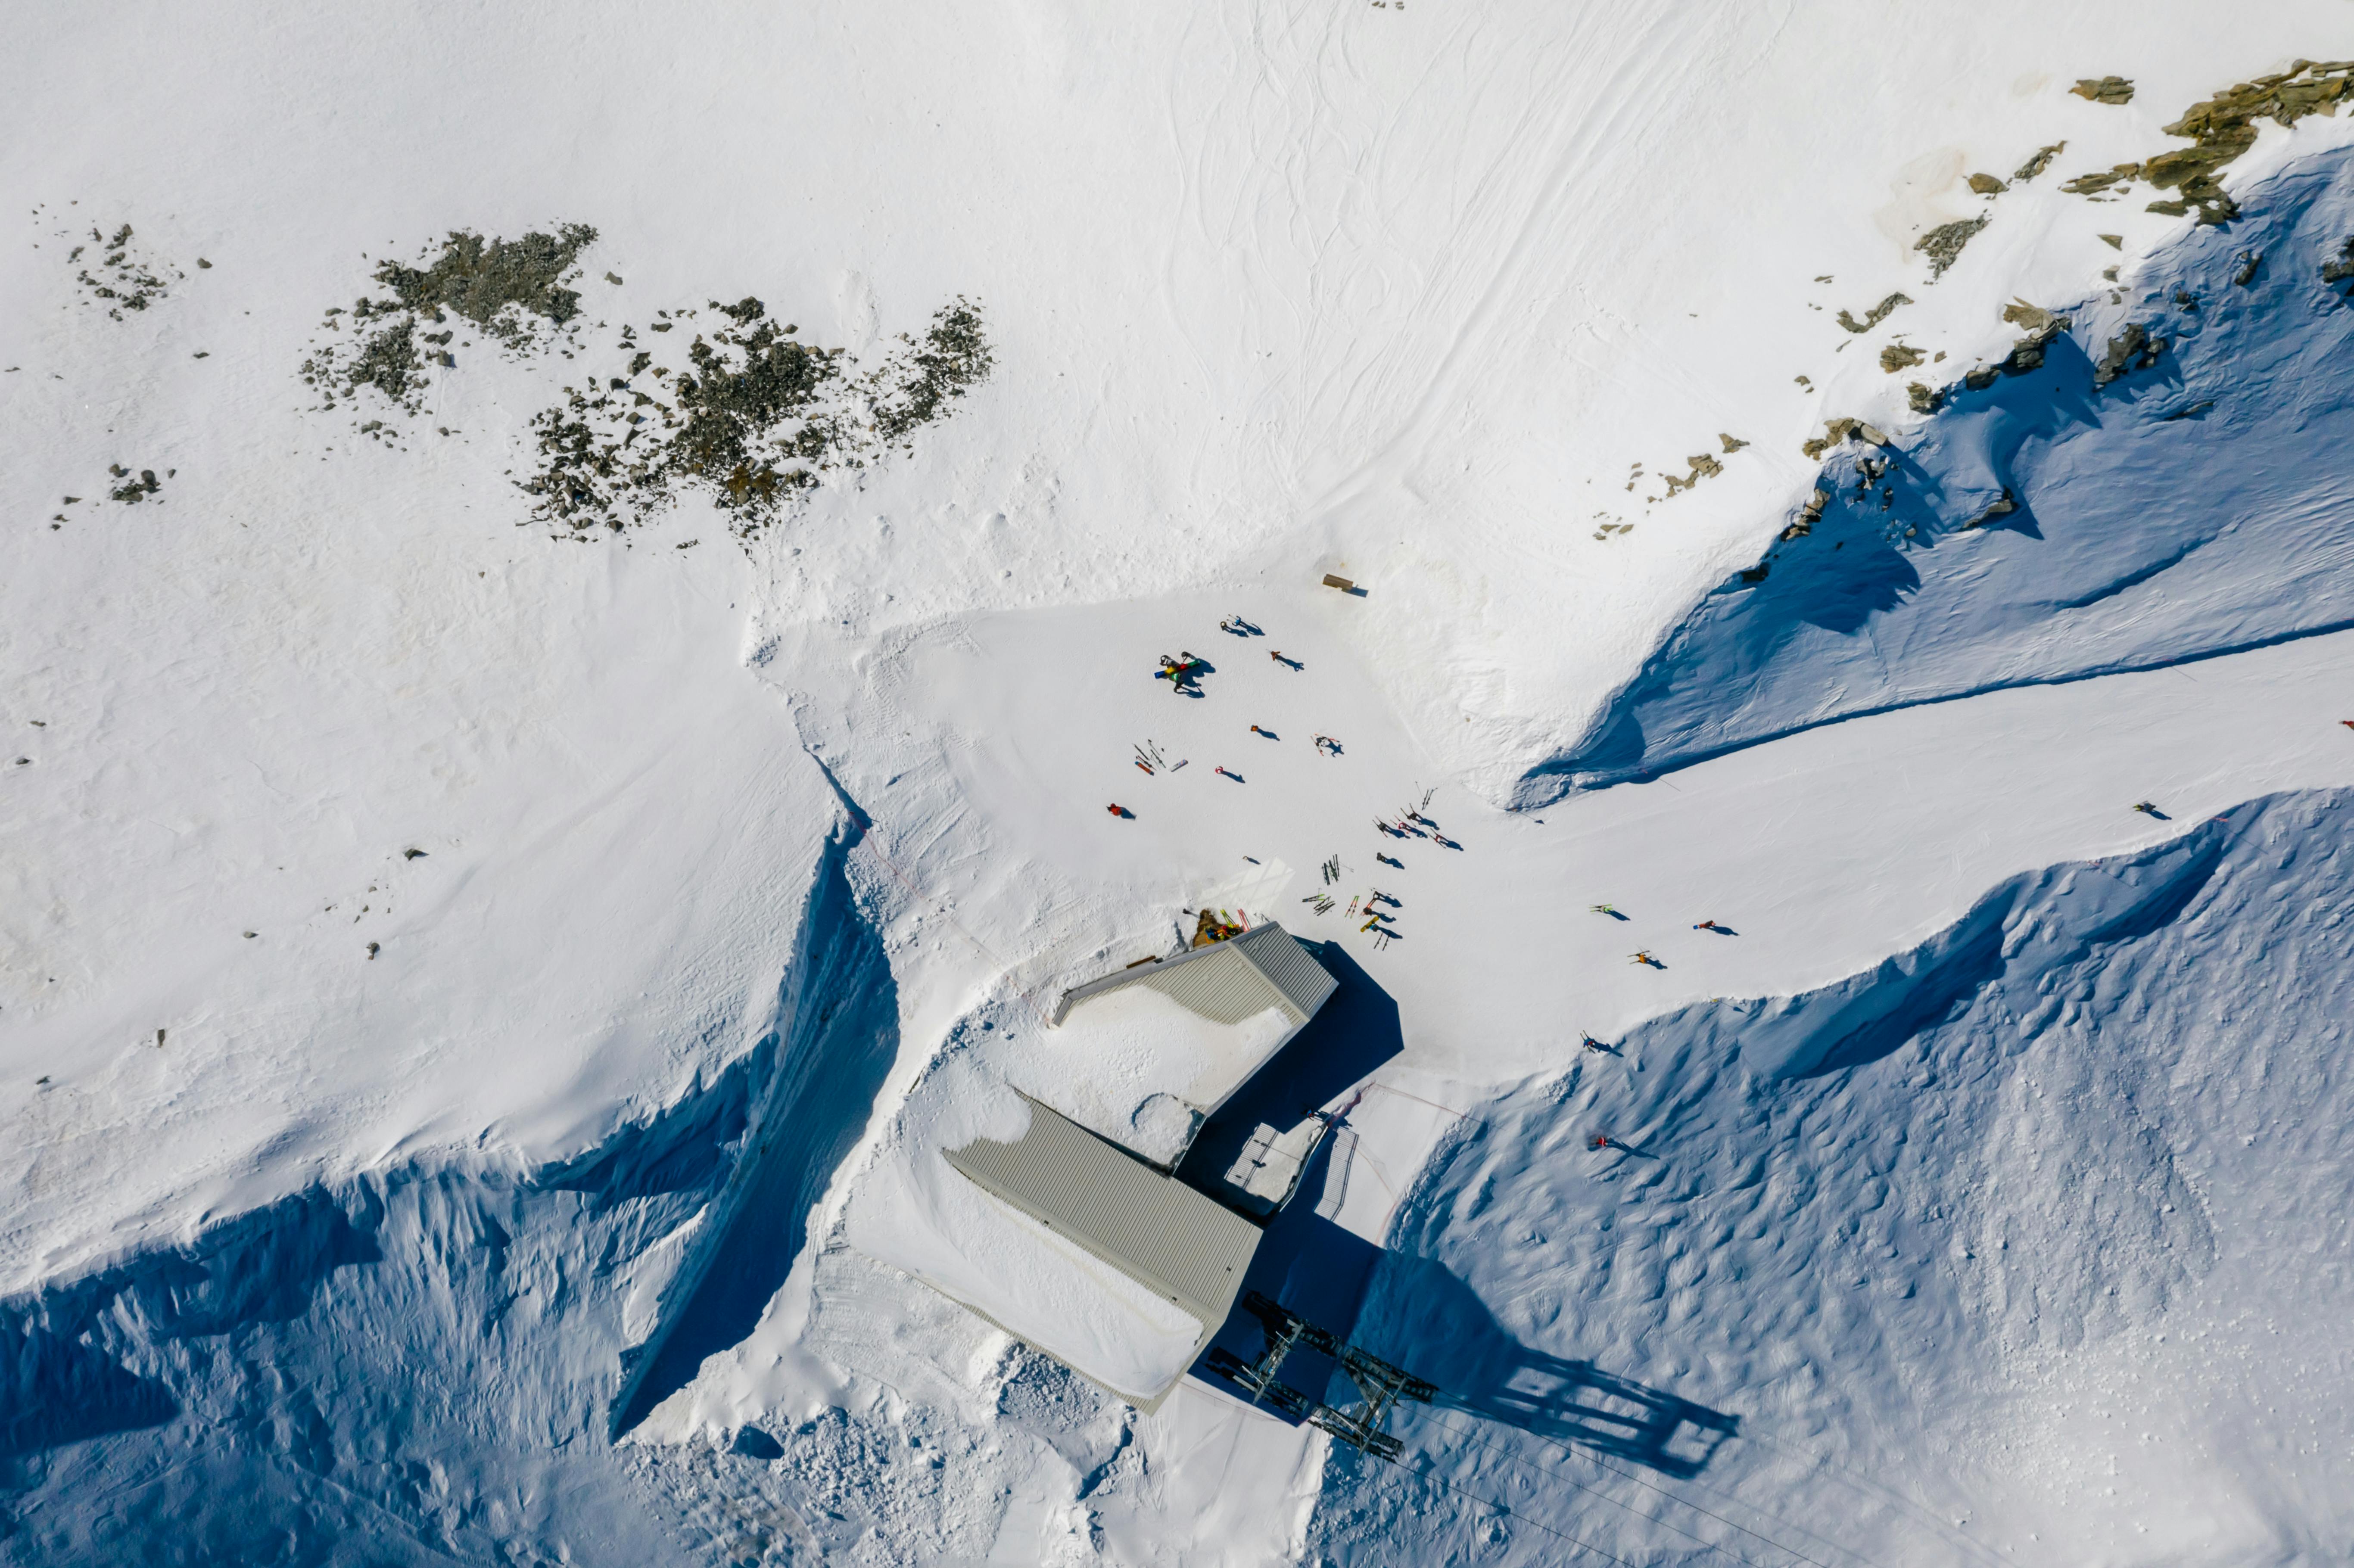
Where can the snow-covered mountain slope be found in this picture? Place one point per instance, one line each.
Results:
(633, 910)
(2007, 1245)
(2029, 1243)
(2158, 490)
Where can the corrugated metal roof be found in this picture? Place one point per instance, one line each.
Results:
(1150, 1227)
(1231, 980)
(1286, 961)
(1222, 985)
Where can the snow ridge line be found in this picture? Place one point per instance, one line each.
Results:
(1603, 780)
(822, 1079)
(2167, 535)
(868, 840)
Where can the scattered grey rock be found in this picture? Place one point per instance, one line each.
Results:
(1874, 316)
(513, 290)
(134, 489)
(1731, 443)
(2245, 272)
(125, 280)
(2042, 327)
(2342, 267)
(1899, 357)
(2041, 162)
(1702, 466)
(2002, 507)
(1942, 245)
(2223, 127)
(1808, 516)
(758, 419)
(2094, 184)
(1988, 184)
(1923, 398)
(2132, 349)
(1834, 433)
(2106, 89)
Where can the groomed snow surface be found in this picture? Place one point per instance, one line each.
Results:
(466, 994)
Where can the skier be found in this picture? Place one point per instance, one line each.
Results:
(1645, 959)
(1706, 925)
(2149, 807)
(1117, 811)
(1222, 768)
(1603, 908)
(1591, 1044)
(1268, 732)
(1600, 1140)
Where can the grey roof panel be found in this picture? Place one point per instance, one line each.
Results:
(1285, 960)
(1224, 986)
(1150, 1227)
(1228, 981)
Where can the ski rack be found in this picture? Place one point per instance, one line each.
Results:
(1381, 1384)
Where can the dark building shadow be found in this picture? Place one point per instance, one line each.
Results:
(1310, 1265)
(1351, 1036)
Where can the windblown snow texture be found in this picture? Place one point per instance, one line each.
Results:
(2183, 509)
(1845, 1226)
(421, 1366)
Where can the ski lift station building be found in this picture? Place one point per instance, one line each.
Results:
(1132, 1067)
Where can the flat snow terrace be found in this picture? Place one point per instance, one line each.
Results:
(1146, 1056)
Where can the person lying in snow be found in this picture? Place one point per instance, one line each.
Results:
(1180, 671)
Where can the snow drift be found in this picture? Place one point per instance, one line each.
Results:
(2018, 1217)
(2155, 490)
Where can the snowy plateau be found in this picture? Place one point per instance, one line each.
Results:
(1769, 582)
